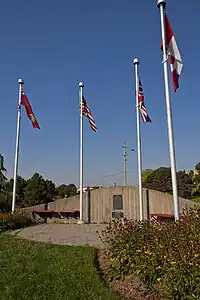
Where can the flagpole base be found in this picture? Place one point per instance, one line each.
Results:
(80, 222)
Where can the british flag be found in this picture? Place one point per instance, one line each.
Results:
(143, 111)
(87, 112)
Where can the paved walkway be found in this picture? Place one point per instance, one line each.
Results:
(63, 234)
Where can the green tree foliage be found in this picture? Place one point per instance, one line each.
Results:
(197, 166)
(50, 190)
(4, 204)
(20, 186)
(196, 188)
(4, 196)
(145, 174)
(38, 191)
(185, 184)
(33, 191)
(160, 180)
(64, 190)
(72, 190)
(2, 170)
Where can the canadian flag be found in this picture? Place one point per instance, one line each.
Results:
(176, 62)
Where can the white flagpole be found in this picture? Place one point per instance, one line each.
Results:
(20, 82)
(136, 63)
(161, 5)
(81, 86)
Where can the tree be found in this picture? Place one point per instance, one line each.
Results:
(62, 190)
(4, 204)
(50, 190)
(197, 167)
(196, 188)
(145, 174)
(66, 190)
(39, 191)
(185, 184)
(2, 169)
(35, 192)
(20, 189)
(160, 180)
(71, 190)
(5, 196)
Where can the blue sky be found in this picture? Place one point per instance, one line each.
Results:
(53, 45)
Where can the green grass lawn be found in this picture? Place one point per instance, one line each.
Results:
(37, 271)
(197, 199)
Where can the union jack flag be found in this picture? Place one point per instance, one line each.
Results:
(143, 111)
(87, 113)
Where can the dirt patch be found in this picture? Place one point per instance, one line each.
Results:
(131, 288)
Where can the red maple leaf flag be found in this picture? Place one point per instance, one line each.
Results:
(29, 111)
(176, 62)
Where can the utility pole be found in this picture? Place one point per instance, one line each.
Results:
(125, 163)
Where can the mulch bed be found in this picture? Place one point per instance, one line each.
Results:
(131, 287)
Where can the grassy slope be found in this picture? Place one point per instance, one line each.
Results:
(37, 271)
(197, 199)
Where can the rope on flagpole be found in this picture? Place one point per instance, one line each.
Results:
(165, 60)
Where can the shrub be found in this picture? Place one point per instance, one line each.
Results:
(16, 220)
(166, 256)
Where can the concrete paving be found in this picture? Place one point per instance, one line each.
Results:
(64, 234)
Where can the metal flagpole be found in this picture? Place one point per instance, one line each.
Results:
(136, 63)
(161, 5)
(81, 85)
(20, 82)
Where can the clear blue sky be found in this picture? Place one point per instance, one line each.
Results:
(53, 45)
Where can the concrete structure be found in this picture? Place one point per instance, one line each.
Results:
(101, 205)
(86, 188)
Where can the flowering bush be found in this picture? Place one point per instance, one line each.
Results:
(14, 221)
(166, 256)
